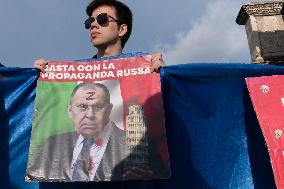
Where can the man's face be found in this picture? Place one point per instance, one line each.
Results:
(107, 34)
(89, 111)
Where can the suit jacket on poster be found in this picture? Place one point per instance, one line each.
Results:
(54, 161)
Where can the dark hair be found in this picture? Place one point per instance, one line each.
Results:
(91, 86)
(123, 13)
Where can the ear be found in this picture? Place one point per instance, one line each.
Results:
(109, 109)
(69, 110)
(122, 30)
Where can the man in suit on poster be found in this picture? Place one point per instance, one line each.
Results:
(96, 151)
(93, 150)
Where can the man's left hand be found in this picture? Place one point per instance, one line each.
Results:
(157, 62)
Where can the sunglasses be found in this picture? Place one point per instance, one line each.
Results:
(102, 19)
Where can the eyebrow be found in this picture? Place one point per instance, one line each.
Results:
(99, 105)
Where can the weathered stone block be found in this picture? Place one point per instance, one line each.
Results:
(264, 23)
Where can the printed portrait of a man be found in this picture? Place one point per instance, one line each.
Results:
(96, 149)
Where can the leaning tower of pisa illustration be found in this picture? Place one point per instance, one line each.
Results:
(137, 140)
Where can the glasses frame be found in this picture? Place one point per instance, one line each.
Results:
(102, 20)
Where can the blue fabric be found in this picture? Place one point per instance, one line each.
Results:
(17, 93)
(213, 135)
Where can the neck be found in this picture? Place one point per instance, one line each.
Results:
(110, 50)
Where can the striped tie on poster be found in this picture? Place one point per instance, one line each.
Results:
(116, 104)
(267, 95)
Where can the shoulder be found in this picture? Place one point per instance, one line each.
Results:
(117, 136)
(117, 131)
(62, 139)
(60, 145)
(124, 55)
(63, 135)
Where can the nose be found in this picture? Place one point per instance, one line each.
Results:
(90, 113)
(94, 24)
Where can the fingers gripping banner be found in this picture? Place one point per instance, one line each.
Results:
(98, 121)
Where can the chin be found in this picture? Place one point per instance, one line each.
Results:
(89, 134)
(95, 43)
(98, 44)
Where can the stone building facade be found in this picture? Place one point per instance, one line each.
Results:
(264, 23)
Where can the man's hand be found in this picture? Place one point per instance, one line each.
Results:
(136, 173)
(157, 62)
(40, 64)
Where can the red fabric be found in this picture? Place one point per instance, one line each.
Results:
(266, 94)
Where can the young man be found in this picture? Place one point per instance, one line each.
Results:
(110, 24)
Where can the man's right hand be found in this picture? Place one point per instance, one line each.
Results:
(40, 64)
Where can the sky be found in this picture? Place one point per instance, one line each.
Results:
(185, 31)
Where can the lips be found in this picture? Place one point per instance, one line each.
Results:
(88, 125)
(94, 34)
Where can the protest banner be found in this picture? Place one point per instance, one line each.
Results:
(267, 95)
(98, 121)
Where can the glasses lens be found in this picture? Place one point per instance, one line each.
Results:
(102, 18)
(88, 22)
